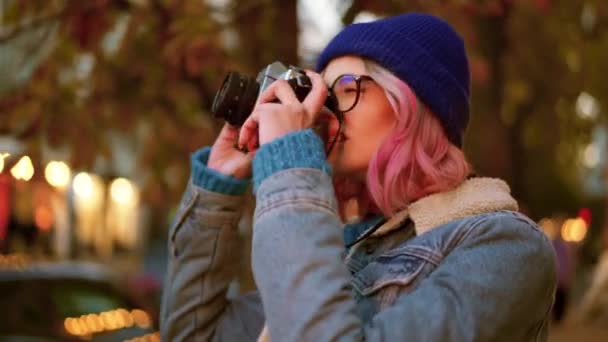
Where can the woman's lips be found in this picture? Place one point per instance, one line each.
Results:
(335, 134)
(339, 138)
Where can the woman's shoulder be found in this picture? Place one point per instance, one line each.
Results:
(498, 226)
(511, 234)
(488, 226)
(503, 235)
(506, 222)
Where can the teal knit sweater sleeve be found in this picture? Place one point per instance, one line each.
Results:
(300, 149)
(212, 180)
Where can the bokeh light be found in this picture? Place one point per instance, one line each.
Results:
(2, 157)
(122, 191)
(43, 217)
(574, 230)
(549, 227)
(57, 174)
(141, 318)
(83, 185)
(24, 169)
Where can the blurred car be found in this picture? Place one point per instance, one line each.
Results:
(69, 301)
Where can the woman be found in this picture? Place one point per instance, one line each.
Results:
(437, 256)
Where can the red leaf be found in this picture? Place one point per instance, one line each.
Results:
(495, 9)
(88, 27)
(543, 5)
(480, 71)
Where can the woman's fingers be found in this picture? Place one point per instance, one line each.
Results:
(253, 142)
(229, 132)
(278, 112)
(315, 100)
(249, 130)
(279, 90)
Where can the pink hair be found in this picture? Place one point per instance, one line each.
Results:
(415, 160)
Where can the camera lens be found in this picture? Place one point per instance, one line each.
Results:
(235, 99)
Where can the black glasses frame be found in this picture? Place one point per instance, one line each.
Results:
(358, 80)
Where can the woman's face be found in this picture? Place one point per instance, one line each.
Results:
(365, 126)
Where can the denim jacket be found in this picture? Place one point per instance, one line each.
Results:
(460, 265)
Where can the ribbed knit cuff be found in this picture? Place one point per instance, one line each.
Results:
(300, 149)
(212, 180)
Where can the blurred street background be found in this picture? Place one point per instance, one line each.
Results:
(103, 101)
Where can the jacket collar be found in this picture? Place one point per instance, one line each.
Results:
(474, 196)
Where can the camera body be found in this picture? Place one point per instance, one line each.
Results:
(237, 96)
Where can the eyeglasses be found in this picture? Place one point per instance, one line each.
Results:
(347, 90)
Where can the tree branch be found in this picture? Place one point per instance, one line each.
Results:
(32, 24)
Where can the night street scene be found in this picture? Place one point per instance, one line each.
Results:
(234, 170)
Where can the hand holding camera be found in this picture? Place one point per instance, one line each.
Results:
(226, 159)
(279, 101)
(271, 119)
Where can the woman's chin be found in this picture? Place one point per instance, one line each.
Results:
(336, 170)
(331, 160)
(340, 171)
(337, 167)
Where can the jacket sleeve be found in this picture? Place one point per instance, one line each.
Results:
(305, 287)
(203, 258)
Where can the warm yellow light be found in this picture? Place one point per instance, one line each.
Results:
(141, 318)
(94, 323)
(549, 227)
(122, 191)
(43, 217)
(591, 156)
(72, 326)
(14, 261)
(83, 185)
(82, 326)
(120, 321)
(57, 174)
(90, 322)
(126, 317)
(152, 337)
(2, 157)
(574, 230)
(99, 323)
(565, 231)
(67, 324)
(24, 169)
(578, 230)
(587, 106)
(108, 320)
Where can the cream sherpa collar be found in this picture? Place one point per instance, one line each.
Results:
(473, 197)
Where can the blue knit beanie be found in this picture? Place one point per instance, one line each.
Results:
(422, 50)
